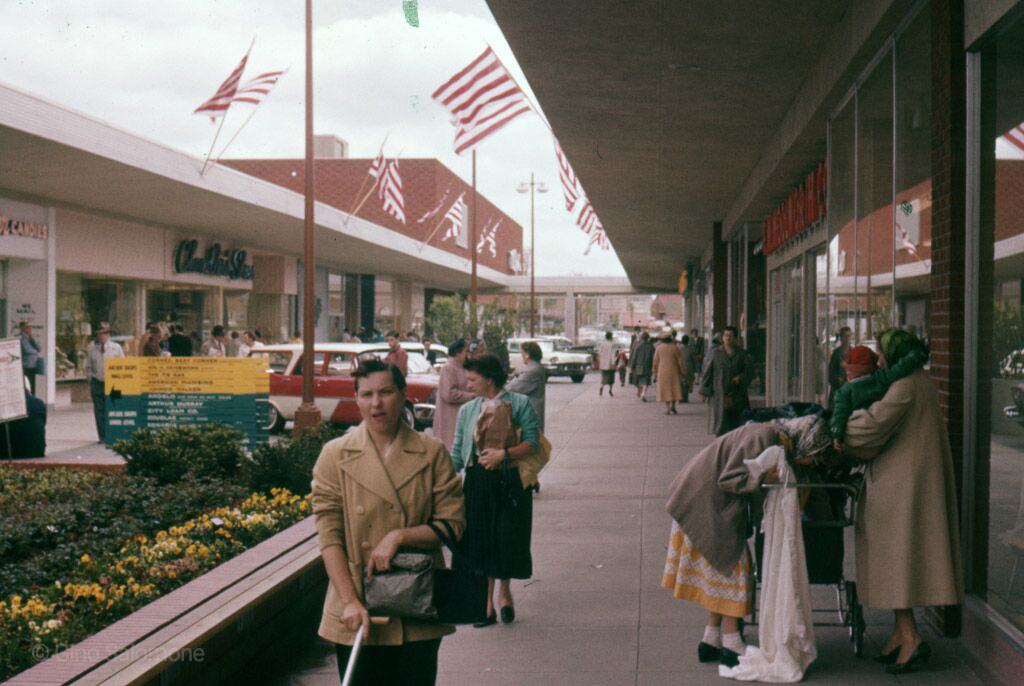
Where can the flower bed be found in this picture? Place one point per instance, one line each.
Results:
(49, 519)
(99, 589)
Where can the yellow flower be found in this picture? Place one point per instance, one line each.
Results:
(86, 559)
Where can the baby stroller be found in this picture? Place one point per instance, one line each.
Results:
(830, 507)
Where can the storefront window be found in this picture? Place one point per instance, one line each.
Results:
(1002, 249)
(842, 232)
(336, 305)
(821, 333)
(82, 303)
(913, 223)
(236, 310)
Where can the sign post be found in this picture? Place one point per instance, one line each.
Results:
(12, 387)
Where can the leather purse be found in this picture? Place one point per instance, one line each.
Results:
(414, 588)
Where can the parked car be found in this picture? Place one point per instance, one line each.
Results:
(557, 358)
(334, 388)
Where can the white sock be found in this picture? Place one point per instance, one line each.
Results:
(734, 642)
(713, 636)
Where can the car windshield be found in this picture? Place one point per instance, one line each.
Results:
(416, 362)
(277, 360)
(562, 345)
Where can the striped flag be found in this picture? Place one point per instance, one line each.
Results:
(598, 238)
(570, 186)
(254, 90)
(377, 165)
(437, 207)
(587, 219)
(482, 98)
(456, 214)
(390, 191)
(218, 105)
(1016, 136)
(487, 239)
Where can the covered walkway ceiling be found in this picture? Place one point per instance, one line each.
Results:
(679, 114)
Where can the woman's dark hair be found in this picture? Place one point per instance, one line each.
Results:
(457, 346)
(533, 351)
(488, 366)
(374, 365)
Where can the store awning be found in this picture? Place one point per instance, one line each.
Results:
(52, 156)
(676, 115)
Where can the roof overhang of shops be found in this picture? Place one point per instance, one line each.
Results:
(54, 156)
(676, 115)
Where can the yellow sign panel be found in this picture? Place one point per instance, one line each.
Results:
(224, 375)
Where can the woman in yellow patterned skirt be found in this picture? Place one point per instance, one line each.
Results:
(708, 560)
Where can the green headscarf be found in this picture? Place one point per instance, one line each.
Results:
(897, 344)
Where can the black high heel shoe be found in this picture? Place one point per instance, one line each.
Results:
(888, 658)
(708, 653)
(919, 657)
(508, 614)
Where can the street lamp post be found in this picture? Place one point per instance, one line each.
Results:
(307, 415)
(540, 188)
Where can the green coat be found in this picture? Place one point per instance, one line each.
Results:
(860, 393)
(523, 417)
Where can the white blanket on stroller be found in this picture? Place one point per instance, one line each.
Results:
(786, 629)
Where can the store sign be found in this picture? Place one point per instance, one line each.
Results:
(16, 227)
(216, 262)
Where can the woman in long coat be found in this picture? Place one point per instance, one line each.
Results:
(907, 535)
(640, 361)
(724, 381)
(668, 371)
(452, 393)
(708, 560)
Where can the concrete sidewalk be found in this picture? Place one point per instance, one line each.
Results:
(594, 612)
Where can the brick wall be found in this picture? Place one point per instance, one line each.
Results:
(946, 327)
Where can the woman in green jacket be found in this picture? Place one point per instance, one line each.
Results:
(499, 510)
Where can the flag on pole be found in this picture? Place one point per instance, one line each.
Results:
(456, 214)
(390, 191)
(254, 90)
(437, 207)
(377, 165)
(411, 11)
(1016, 136)
(487, 239)
(482, 98)
(570, 186)
(218, 105)
(587, 219)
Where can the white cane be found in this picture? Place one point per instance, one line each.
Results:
(353, 656)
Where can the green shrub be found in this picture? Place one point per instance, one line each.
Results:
(49, 519)
(289, 462)
(167, 455)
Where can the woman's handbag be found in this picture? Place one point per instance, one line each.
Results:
(414, 588)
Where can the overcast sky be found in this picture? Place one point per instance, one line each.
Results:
(144, 65)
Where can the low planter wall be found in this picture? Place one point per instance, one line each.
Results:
(233, 623)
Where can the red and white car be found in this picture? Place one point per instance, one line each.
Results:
(334, 388)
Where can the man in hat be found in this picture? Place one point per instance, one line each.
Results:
(29, 354)
(96, 355)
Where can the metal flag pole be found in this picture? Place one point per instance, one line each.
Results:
(472, 250)
(206, 163)
(533, 257)
(244, 124)
(359, 203)
(307, 416)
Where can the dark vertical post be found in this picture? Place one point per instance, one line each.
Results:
(533, 258)
(308, 415)
(720, 280)
(472, 255)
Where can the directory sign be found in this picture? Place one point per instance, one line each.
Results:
(12, 381)
(159, 392)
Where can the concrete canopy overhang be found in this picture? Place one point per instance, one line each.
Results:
(53, 156)
(676, 115)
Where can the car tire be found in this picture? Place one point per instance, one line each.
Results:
(409, 416)
(275, 422)
(577, 378)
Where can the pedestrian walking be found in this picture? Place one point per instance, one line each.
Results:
(641, 361)
(99, 351)
(622, 366)
(246, 344)
(396, 353)
(606, 363)
(375, 490)
(217, 345)
(29, 354)
(724, 382)
(532, 381)
(668, 371)
(452, 392)
(151, 348)
(907, 532)
(689, 366)
(179, 344)
(428, 351)
(836, 370)
(496, 431)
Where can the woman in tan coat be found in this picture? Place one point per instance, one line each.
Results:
(375, 489)
(908, 539)
(668, 372)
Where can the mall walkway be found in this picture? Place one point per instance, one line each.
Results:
(594, 612)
